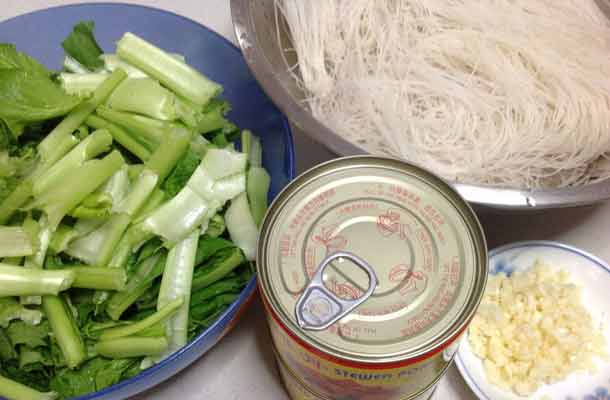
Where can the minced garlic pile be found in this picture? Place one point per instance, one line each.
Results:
(532, 329)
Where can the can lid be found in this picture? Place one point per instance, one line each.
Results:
(422, 240)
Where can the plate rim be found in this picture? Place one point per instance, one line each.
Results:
(459, 363)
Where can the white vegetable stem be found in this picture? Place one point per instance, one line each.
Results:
(219, 178)
(15, 242)
(171, 72)
(19, 281)
(241, 226)
(176, 283)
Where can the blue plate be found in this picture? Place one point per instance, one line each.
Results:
(40, 34)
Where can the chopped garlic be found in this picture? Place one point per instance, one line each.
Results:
(532, 329)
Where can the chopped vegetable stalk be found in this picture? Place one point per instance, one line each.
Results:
(257, 183)
(137, 285)
(134, 329)
(216, 226)
(178, 217)
(117, 186)
(77, 185)
(200, 145)
(48, 147)
(176, 283)
(131, 347)
(36, 261)
(150, 129)
(96, 143)
(172, 148)
(137, 197)
(152, 100)
(220, 163)
(202, 196)
(15, 200)
(112, 62)
(172, 73)
(99, 278)
(96, 205)
(97, 247)
(62, 237)
(203, 119)
(85, 226)
(229, 187)
(131, 240)
(122, 137)
(81, 84)
(70, 64)
(65, 331)
(15, 242)
(255, 152)
(246, 141)
(15, 390)
(19, 281)
(204, 277)
(241, 226)
(156, 198)
(10, 310)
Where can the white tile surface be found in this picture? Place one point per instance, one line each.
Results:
(242, 366)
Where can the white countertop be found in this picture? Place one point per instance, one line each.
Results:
(241, 366)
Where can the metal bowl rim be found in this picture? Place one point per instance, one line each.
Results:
(500, 198)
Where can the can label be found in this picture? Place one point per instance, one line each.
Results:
(298, 389)
(337, 380)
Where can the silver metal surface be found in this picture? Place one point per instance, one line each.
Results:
(318, 308)
(256, 30)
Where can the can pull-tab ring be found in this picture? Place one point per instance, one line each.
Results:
(318, 308)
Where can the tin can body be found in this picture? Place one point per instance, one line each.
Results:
(429, 258)
(299, 390)
(310, 374)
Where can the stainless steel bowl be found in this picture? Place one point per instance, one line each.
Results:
(256, 30)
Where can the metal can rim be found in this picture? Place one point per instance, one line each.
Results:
(448, 335)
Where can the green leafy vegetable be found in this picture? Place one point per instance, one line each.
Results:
(125, 212)
(181, 173)
(82, 46)
(223, 262)
(10, 58)
(29, 97)
(94, 375)
(33, 336)
(10, 310)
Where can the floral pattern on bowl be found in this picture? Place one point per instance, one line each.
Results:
(587, 270)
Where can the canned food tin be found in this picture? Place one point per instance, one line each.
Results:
(370, 270)
(298, 390)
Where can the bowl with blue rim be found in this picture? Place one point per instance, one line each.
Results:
(585, 270)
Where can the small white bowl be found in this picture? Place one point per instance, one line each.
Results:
(586, 270)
